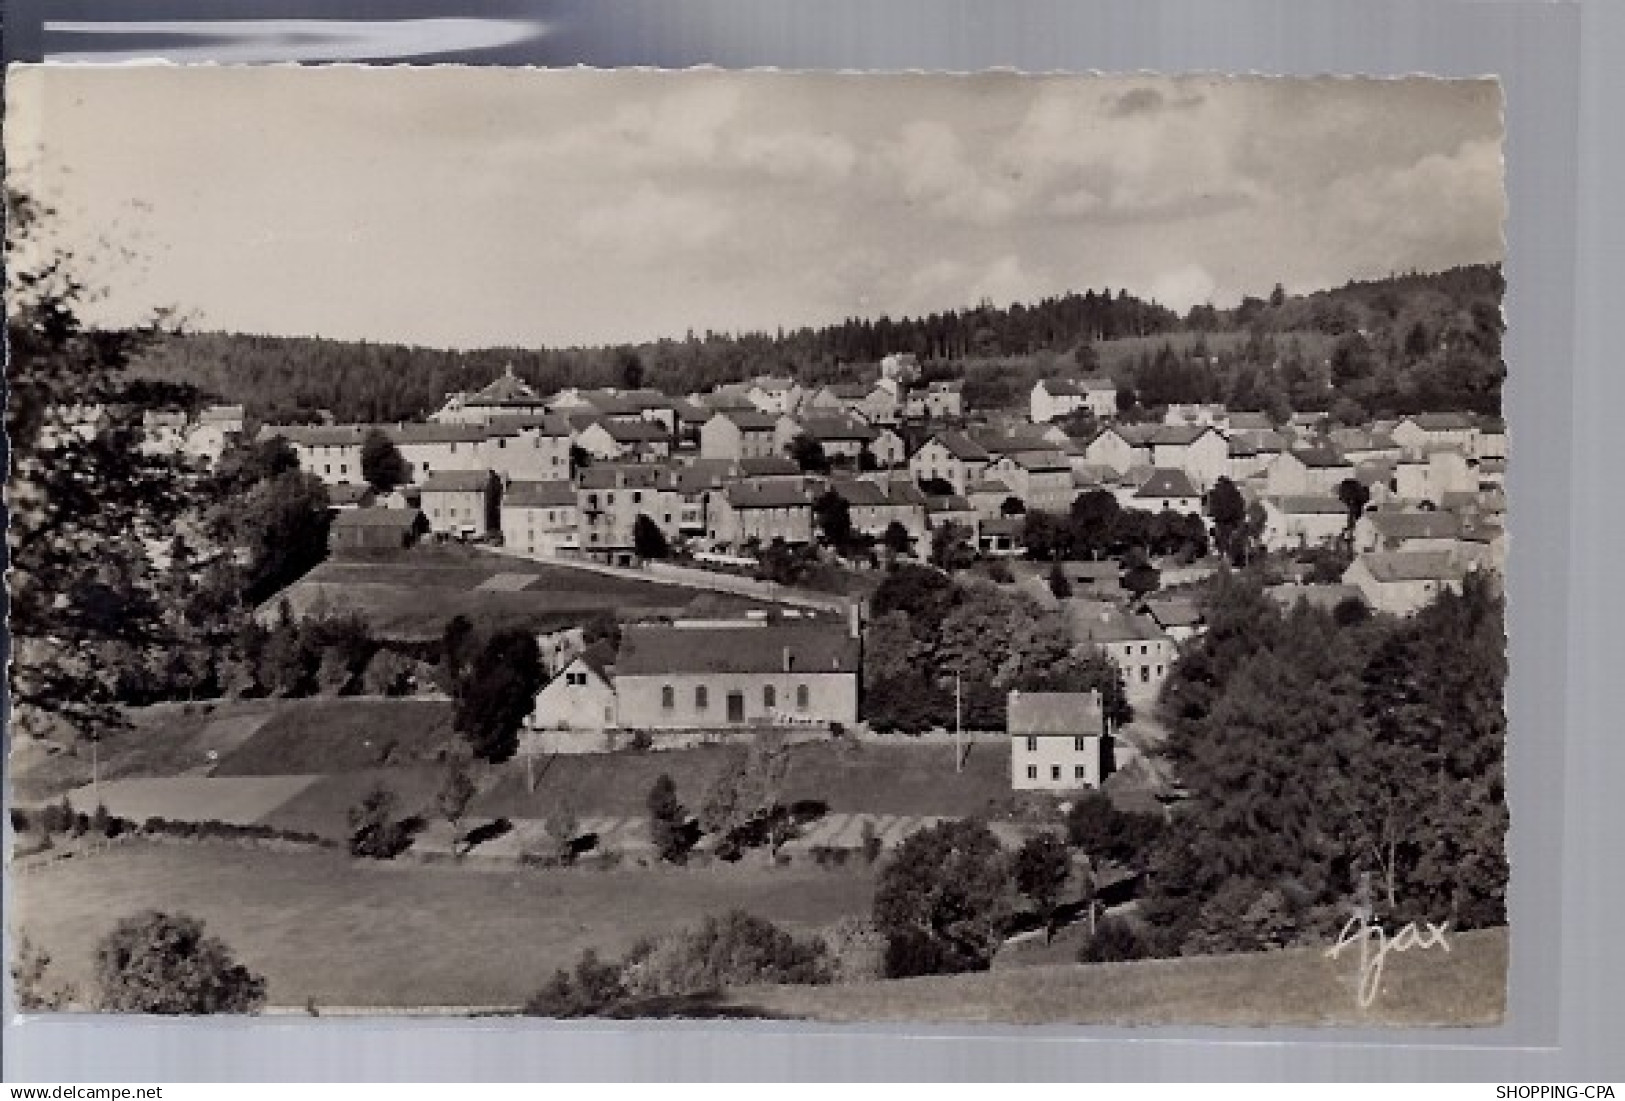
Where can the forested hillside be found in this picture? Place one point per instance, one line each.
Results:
(1413, 341)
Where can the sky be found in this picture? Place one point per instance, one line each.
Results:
(472, 207)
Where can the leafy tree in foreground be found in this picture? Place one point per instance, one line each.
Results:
(83, 495)
(375, 832)
(1042, 867)
(496, 692)
(455, 794)
(668, 825)
(943, 900)
(165, 963)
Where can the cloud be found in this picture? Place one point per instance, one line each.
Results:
(928, 165)
(679, 127)
(795, 155)
(1183, 287)
(652, 221)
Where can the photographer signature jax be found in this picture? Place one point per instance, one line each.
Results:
(1375, 945)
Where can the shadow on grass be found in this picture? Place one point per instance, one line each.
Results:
(704, 1006)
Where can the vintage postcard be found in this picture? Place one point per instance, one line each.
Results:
(923, 548)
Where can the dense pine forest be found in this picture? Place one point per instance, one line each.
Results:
(1407, 343)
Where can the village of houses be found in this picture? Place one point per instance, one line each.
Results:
(565, 477)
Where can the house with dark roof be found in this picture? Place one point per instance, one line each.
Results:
(540, 517)
(1040, 477)
(1421, 429)
(575, 711)
(762, 510)
(1180, 617)
(1403, 582)
(1302, 471)
(739, 434)
(1058, 741)
(1168, 489)
(1418, 530)
(1142, 650)
(505, 395)
(842, 436)
(611, 496)
(737, 673)
(461, 503)
(875, 504)
(1054, 398)
(1296, 521)
(638, 440)
(951, 457)
(365, 529)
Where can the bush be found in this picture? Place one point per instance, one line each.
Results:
(19, 820)
(164, 963)
(737, 949)
(374, 831)
(943, 900)
(641, 741)
(214, 829)
(593, 988)
(856, 950)
(1114, 941)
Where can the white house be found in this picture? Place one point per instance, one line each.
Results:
(952, 457)
(1053, 398)
(1058, 741)
(573, 712)
(1292, 522)
(1403, 582)
(1168, 489)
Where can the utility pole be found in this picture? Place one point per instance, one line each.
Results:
(959, 756)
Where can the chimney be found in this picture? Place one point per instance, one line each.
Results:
(854, 618)
(789, 660)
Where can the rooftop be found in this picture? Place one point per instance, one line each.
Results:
(1167, 482)
(458, 481)
(1068, 714)
(550, 494)
(737, 646)
(1399, 566)
(1079, 387)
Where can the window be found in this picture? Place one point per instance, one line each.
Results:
(327, 468)
(1080, 744)
(637, 497)
(701, 700)
(609, 498)
(1032, 772)
(1145, 674)
(668, 698)
(801, 697)
(1032, 745)
(1078, 773)
(1054, 772)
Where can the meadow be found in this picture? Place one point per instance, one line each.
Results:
(322, 926)
(411, 594)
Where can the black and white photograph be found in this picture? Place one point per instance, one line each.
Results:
(923, 548)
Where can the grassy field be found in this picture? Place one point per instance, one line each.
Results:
(343, 735)
(1465, 986)
(849, 776)
(164, 740)
(320, 925)
(324, 806)
(411, 594)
